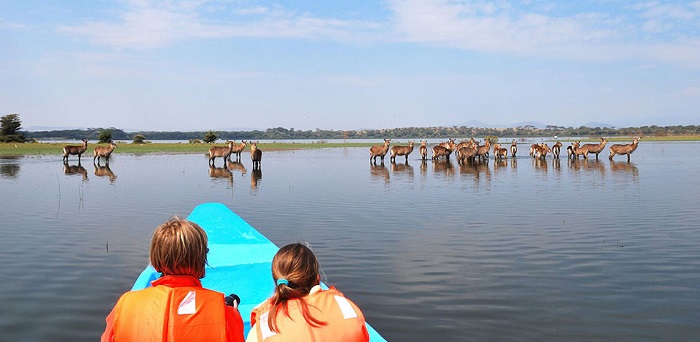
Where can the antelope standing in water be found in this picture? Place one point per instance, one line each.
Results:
(513, 149)
(72, 149)
(483, 150)
(255, 155)
(624, 149)
(467, 152)
(103, 152)
(594, 148)
(238, 149)
(220, 151)
(499, 152)
(540, 151)
(556, 149)
(423, 150)
(378, 151)
(401, 151)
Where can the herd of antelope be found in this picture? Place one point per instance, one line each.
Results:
(471, 151)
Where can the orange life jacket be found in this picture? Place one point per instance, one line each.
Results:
(345, 321)
(173, 314)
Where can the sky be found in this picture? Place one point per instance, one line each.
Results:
(343, 65)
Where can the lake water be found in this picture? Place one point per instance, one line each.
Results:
(515, 250)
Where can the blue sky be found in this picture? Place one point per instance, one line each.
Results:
(239, 64)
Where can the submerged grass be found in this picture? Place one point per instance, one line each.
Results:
(13, 149)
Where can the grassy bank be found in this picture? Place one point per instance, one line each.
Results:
(12, 149)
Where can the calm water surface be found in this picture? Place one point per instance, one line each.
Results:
(516, 250)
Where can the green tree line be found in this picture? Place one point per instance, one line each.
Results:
(394, 133)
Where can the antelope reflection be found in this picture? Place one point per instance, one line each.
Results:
(255, 177)
(624, 168)
(379, 172)
(105, 171)
(402, 168)
(221, 172)
(75, 170)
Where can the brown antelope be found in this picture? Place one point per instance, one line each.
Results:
(483, 150)
(594, 148)
(467, 153)
(103, 152)
(237, 149)
(255, 155)
(378, 151)
(463, 143)
(556, 149)
(624, 149)
(401, 151)
(423, 150)
(540, 151)
(499, 152)
(72, 149)
(513, 149)
(578, 151)
(570, 150)
(105, 171)
(220, 151)
(532, 149)
(441, 151)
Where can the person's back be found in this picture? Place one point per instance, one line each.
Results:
(300, 310)
(176, 307)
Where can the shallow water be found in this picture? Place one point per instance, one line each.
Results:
(514, 250)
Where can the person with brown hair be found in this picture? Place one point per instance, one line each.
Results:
(176, 307)
(299, 309)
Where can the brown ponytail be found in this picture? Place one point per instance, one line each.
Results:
(295, 270)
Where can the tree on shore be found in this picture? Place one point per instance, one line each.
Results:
(9, 128)
(105, 136)
(210, 137)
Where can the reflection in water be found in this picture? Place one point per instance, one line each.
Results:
(402, 168)
(540, 164)
(514, 163)
(255, 178)
(476, 169)
(237, 166)
(73, 170)
(499, 164)
(105, 171)
(443, 166)
(220, 172)
(379, 172)
(624, 167)
(9, 170)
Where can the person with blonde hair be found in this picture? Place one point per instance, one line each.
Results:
(176, 307)
(299, 309)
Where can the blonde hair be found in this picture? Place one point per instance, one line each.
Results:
(179, 247)
(296, 264)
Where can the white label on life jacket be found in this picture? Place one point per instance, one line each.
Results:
(188, 305)
(345, 307)
(264, 328)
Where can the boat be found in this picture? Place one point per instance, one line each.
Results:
(239, 260)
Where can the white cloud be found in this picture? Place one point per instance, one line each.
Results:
(150, 24)
(589, 36)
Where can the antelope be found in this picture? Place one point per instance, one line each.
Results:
(72, 149)
(103, 152)
(556, 148)
(624, 149)
(513, 149)
(461, 144)
(483, 150)
(220, 151)
(594, 148)
(441, 151)
(578, 150)
(378, 151)
(467, 152)
(499, 152)
(255, 155)
(423, 150)
(401, 151)
(540, 151)
(238, 149)
(570, 150)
